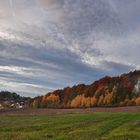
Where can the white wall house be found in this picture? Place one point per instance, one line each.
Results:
(137, 86)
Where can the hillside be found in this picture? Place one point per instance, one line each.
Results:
(123, 90)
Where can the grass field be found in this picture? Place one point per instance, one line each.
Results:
(85, 126)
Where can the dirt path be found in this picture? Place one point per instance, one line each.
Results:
(66, 111)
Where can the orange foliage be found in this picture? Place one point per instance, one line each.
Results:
(77, 101)
(93, 101)
(100, 101)
(88, 102)
(52, 98)
(108, 91)
(107, 99)
(82, 101)
(137, 101)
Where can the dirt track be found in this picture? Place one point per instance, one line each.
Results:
(66, 111)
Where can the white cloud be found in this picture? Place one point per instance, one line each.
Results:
(59, 43)
(21, 87)
(16, 70)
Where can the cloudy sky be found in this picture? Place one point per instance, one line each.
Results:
(50, 44)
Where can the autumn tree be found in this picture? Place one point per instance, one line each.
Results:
(77, 101)
(36, 103)
(51, 101)
(137, 101)
(53, 98)
(88, 102)
(99, 92)
(113, 99)
(108, 99)
(82, 101)
(100, 101)
(93, 101)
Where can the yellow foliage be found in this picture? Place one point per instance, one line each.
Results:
(34, 104)
(100, 101)
(82, 101)
(88, 102)
(93, 101)
(137, 101)
(107, 99)
(44, 98)
(52, 98)
(77, 101)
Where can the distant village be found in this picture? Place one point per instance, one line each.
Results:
(12, 104)
(12, 100)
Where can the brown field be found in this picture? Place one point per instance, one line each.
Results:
(67, 111)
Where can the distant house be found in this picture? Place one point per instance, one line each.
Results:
(13, 105)
(20, 107)
(1, 106)
(16, 105)
(137, 87)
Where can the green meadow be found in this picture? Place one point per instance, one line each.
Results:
(90, 126)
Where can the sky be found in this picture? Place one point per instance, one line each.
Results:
(51, 44)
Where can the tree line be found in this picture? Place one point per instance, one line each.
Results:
(106, 92)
